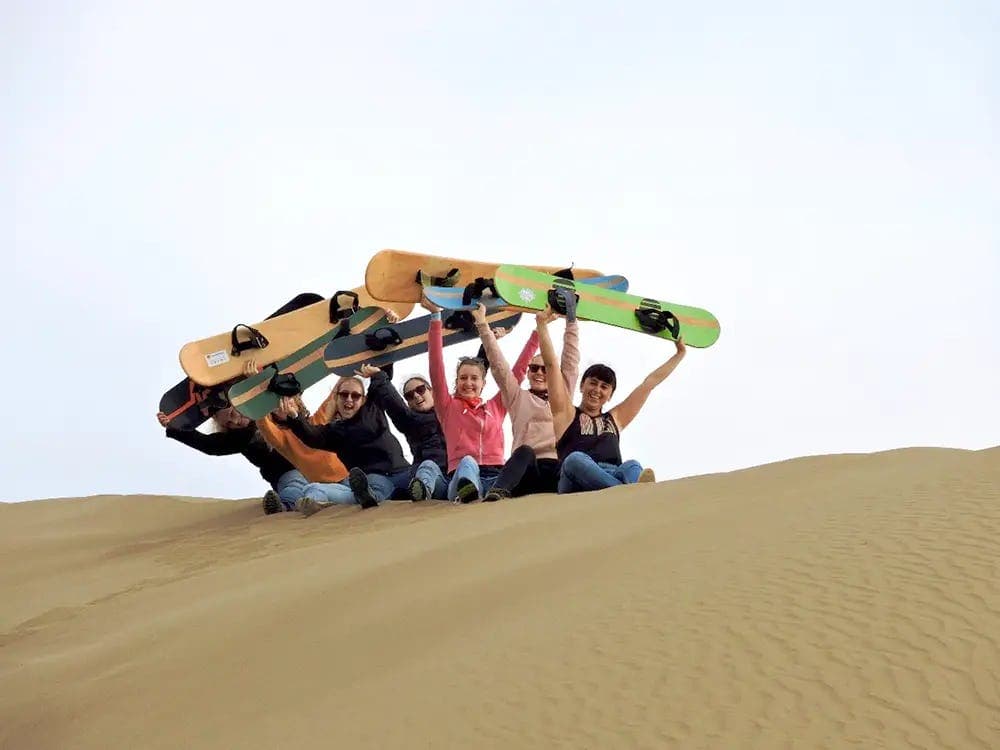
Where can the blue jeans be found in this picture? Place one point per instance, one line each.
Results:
(290, 486)
(481, 476)
(380, 485)
(581, 473)
(432, 478)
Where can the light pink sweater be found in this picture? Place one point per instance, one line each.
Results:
(531, 416)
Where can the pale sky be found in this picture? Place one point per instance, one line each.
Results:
(824, 178)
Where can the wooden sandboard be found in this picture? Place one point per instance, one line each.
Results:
(212, 361)
(392, 274)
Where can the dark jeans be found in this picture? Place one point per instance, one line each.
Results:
(525, 474)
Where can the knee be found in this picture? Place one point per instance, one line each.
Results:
(525, 452)
(575, 461)
(467, 463)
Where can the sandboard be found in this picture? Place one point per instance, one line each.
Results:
(253, 396)
(186, 404)
(527, 289)
(469, 296)
(345, 355)
(216, 359)
(398, 275)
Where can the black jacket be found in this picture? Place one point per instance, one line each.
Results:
(421, 429)
(363, 441)
(245, 442)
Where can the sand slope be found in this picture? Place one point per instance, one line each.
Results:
(837, 601)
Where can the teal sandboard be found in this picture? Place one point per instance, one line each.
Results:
(253, 396)
(526, 289)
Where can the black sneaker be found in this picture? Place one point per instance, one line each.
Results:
(272, 503)
(496, 493)
(358, 481)
(417, 490)
(466, 491)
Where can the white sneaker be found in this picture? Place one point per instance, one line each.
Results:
(307, 506)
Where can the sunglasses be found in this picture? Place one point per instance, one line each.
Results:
(420, 390)
(471, 361)
(536, 368)
(352, 395)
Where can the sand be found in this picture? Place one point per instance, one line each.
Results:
(832, 601)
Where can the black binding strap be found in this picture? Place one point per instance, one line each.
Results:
(449, 279)
(285, 384)
(476, 289)
(655, 320)
(338, 311)
(257, 340)
(555, 299)
(383, 338)
(459, 320)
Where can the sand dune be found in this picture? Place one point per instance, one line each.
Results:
(834, 601)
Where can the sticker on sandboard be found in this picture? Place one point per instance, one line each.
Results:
(217, 358)
(526, 294)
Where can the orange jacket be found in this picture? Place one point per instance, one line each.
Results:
(316, 465)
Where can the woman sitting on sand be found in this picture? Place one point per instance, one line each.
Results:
(473, 427)
(413, 415)
(358, 433)
(533, 465)
(588, 437)
(235, 434)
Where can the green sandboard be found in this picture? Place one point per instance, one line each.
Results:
(526, 289)
(345, 355)
(251, 396)
(453, 297)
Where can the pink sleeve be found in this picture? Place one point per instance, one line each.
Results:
(570, 364)
(527, 353)
(435, 355)
(498, 364)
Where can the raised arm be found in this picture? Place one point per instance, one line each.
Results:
(382, 392)
(520, 368)
(628, 409)
(570, 364)
(499, 367)
(435, 357)
(559, 396)
(313, 435)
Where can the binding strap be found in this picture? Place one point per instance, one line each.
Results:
(556, 301)
(257, 340)
(285, 384)
(459, 320)
(383, 338)
(449, 279)
(653, 319)
(476, 289)
(337, 311)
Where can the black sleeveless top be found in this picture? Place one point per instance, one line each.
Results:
(595, 436)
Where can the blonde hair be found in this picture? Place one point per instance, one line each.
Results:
(332, 413)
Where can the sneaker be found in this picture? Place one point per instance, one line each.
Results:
(647, 475)
(358, 481)
(466, 491)
(496, 493)
(417, 490)
(272, 503)
(307, 506)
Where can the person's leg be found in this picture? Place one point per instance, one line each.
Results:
(487, 478)
(626, 473)
(546, 476)
(369, 489)
(290, 487)
(319, 495)
(520, 464)
(464, 484)
(428, 482)
(580, 473)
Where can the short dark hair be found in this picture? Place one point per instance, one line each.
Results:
(603, 373)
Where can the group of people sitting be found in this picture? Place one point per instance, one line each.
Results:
(345, 453)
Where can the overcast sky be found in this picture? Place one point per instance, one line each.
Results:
(825, 178)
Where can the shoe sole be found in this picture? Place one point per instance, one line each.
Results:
(417, 491)
(362, 492)
(646, 476)
(272, 503)
(466, 492)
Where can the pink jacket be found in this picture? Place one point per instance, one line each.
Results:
(531, 416)
(476, 432)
